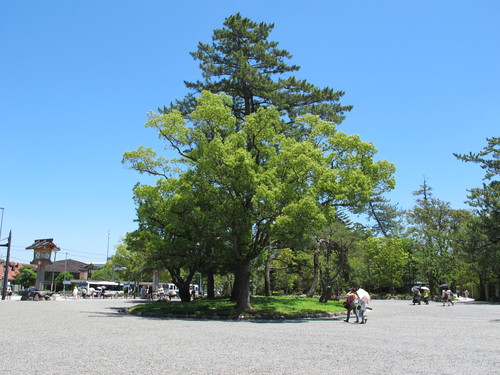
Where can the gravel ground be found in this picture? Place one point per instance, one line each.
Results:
(93, 337)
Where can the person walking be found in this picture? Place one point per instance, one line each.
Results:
(450, 297)
(350, 304)
(361, 311)
(161, 293)
(444, 297)
(75, 292)
(363, 299)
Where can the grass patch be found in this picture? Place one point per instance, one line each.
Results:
(263, 308)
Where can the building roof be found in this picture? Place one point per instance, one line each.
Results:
(70, 265)
(13, 269)
(44, 243)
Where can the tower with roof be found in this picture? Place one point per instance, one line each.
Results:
(42, 250)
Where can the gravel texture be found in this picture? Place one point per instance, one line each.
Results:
(93, 337)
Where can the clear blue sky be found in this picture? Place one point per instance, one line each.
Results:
(78, 77)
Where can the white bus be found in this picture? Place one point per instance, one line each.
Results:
(100, 288)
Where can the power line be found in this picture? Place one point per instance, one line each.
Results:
(19, 248)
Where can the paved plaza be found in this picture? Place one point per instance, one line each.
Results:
(93, 337)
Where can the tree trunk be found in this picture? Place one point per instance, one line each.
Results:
(267, 277)
(314, 285)
(483, 289)
(181, 283)
(241, 288)
(326, 295)
(184, 293)
(210, 285)
(235, 288)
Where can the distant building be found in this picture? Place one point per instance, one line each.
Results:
(13, 269)
(77, 269)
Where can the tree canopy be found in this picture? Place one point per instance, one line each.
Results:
(260, 181)
(244, 64)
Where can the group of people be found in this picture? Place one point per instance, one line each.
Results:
(84, 293)
(421, 294)
(160, 294)
(357, 305)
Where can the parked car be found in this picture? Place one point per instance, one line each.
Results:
(33, 294)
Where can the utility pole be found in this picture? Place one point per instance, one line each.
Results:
(6, 271)
(64, 282)
(107, 256)
(53, 267)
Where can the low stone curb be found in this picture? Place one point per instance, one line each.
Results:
(245, 318)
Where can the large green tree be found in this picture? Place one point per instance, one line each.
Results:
(260, 180)
(266, 155)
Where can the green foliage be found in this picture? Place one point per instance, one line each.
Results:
(435, 227)
(131, 264)
(384, 261)
(334, 245)
(388, 218)
(281, 263)
(255, 181)
(26, 276)
(103, 273)
(61, 277)
(489, 158)
(242, 62)
(486, 200)
(481, 241)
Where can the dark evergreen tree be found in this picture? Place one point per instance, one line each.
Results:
(242, 63)
(485, 202)
(387, 217)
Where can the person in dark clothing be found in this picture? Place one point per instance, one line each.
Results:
(350, 304)
(416, 297)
